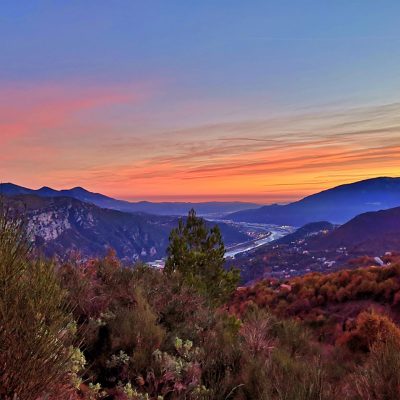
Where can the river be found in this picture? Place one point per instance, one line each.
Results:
(264, 233)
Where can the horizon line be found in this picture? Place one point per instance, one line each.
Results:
(210, 198)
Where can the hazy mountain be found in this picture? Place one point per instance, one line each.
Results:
(336, 205)
(61, 226)
(215, 208)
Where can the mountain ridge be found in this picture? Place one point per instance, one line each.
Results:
(370, 233)
(336, 205)
(103, 201)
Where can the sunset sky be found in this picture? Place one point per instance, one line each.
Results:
(262, 101)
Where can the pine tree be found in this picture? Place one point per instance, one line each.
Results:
(196, 255)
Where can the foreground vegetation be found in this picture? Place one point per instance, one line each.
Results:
(98, 330)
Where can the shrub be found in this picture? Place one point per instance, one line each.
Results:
(379, 378)
(370, 327)
(221, 356)
(181, 311)
(35, 325)
(296, 379)
(136, 331)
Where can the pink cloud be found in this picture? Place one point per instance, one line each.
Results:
(111, 139)
(34, 109)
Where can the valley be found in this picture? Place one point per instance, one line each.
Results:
(257, 235)
(81, 224)
(65, 228)
(261, 234)
(368, 239)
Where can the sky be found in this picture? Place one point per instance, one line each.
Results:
(264, 101)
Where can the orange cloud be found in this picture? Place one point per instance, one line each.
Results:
(64, 136)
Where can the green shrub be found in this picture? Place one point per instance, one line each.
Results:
(221, 356)
(379, 377)
(35, 325)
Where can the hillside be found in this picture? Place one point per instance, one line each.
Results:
(288, 256)
(213, 208)
(367, 234)
(62, 226)
(322, 247)
(306, 231)
(336, 205)
(327, 301)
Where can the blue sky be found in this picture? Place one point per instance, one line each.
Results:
(210, 47)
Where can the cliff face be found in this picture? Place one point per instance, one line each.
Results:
(62, 226)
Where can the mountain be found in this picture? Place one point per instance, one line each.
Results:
(214, 208)
(9, 189)
(336, 205)
(322, 247)
(372, 233)
(62, 226)
(306, 231)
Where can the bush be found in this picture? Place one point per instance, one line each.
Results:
(136, 331)
(221, 356)
(370, 327)
(379, 378)
(35, 326)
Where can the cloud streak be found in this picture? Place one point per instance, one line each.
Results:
(33, 110)
(106, 139)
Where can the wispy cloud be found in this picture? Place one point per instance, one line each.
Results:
(37, 108)
(97, 137)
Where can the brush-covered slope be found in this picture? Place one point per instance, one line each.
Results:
(329, 303)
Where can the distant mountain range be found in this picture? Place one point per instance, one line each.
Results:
(336, 205)
(214, 208)
(63, 226)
